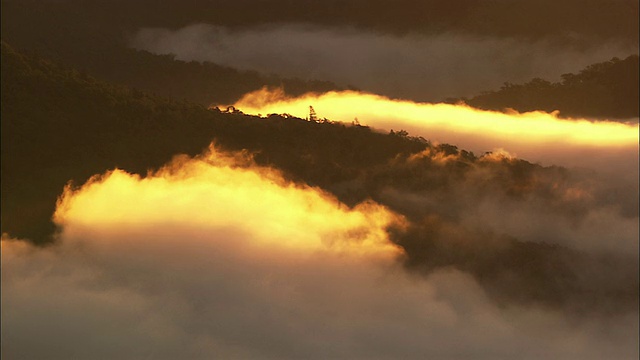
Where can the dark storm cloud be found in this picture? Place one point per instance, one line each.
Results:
(416, 66)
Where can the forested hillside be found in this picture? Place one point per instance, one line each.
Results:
(60, 125)
(605, 90)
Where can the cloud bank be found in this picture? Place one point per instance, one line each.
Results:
(536, 136)
(216, 257)
(415, 66)
(501, 195)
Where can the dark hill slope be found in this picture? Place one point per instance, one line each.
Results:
(59, 125)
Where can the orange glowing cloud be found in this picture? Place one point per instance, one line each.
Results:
(216, 257)
(216, 191)
(536, 136)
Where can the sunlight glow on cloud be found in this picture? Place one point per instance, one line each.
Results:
(215, 256)
(215, 191)
(535, 136)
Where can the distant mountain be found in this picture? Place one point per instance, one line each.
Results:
(92, 37)
(60, 125)
(604, 90)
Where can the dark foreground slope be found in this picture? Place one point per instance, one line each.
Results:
(59, 125)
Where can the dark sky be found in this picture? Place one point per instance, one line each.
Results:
(527, 18)
(422, 50)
